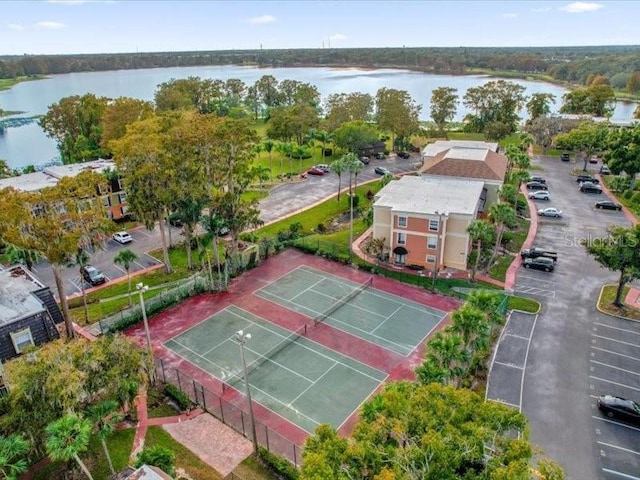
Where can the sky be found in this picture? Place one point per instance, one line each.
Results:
(114, 26)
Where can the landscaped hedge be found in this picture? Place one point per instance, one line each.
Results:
(281, 466)
(178, 395)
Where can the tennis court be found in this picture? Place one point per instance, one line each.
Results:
(301, 380)
(393, 322)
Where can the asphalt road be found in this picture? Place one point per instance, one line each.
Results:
(575, 352)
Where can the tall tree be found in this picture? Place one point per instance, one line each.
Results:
(287, 123)
(497, 101)
(267, 91)
(503, 215)
(57, 221)
(480, 232)
(125, 258)
(539, 105)
(397, 112)
(13, 453)
(323, 137)
(81, 260)
(544, 129)
(619, 253)
(67, 438)
(267, 146)
(444, 105)
(623, 152)
(75, 123)
(347, 107)
(118, 114)
(597, 100)
(24, 256)
(587, 139)
(338, 167)
(352, 136)
(105, 417)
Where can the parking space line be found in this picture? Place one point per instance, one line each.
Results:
(616, 353)
(511, 365)
(615, 368)
(615, 383)
(140, 265)
(618, 448)
(516, 336)
(620, 474)
(505, 403)
(614, 340)
(620, 424)
(626, 330)
(119, 268)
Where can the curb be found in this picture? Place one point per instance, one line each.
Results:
(630, 216)
(611, 314)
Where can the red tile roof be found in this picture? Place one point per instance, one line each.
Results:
(492, 167)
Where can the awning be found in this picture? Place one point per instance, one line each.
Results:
(400, 251)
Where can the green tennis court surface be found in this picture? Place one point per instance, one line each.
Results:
(392, 322)
(295, 377)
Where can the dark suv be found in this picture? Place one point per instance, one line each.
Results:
(588, 187)
(565, 157)
(587, 178)
(92, 275)
(536, 186)
(404, 155)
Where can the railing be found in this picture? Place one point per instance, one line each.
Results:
(229, 413)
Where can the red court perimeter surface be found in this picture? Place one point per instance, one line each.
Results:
(174, 321)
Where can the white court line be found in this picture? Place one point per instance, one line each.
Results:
(620, 474)
(508, 365)
(614, 340)
(626, 330)
(615, 368)
(305, 290)
(613, 422)
(618, 448)
(615, 383)
(386, 319)
(277, 279)
(312, 384)
(616, 353)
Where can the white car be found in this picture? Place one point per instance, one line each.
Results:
(550, 212)
(324, 167)
(540, 195)
(122, 237)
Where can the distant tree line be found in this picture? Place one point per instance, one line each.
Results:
(572, 64)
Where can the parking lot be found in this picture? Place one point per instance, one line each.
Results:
(561, 379)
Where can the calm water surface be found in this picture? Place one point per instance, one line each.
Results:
(28, 145)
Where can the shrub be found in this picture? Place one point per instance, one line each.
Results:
(159, 457)
(370, 194)
(281, 466)
(635, 198)
(178, 395)
(507, 237)
(321, 228)
(355, 201)
(628, 194)
(328, 152)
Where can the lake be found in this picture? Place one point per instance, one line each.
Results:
(28, 145)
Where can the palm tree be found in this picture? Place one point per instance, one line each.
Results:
(378, 245)
(67, 438)
(480, 231)
(508, 193)
(105, 418)
(81, 260)
(502, 215)
(23, 256)
(324, 137)
(309, 139)
(472, 325)
(125, 258)
(213, 223)
(338, 167)
(299, 152)
(446, 350)
(267, 146)
(287, 150)
(13, 452)
(351, 162)
(262, 173)
(353, 166)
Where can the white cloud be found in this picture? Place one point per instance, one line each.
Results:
(50, 25)
(509, 15)
(581, 7)
(16, 27)
(541, 9)
(337, 37)
(262, 19)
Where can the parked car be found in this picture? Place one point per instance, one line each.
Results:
(540, 195)
(535, 252)
(122, 237)
(404, 155)
(92, 275)
(608, 205)
(540, 263)
(604, 170)
(382, 171)
(550, 212)
(594, 159)
(588, 187)
(587, 178)
(324, 167)
(175, 220)
(315, 171)
(536, 186)
(565, 157)
(621, 408)
(365, 160)
(380, 156)
(537, 178)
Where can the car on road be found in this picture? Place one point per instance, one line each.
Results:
(122, 237)
(587, 178)
(365, 160)
(565, 157)
(404, 155)
(608, 205)
(380, 156)
(618, 407)
(588, 187)
(537, 178)
(594, 159)
(382, 171)
(604, 170)
(540, 195)
(535, 252)
(540, 263)
(92, 275)
(536, 186)
(324, 167)
(550, 212)
(315, 171)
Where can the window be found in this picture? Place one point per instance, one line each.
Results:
(431, 259)
(21, 339)
(123, 197)
(402, 238)
(432, 242)
(402, 221)
(107, 201)
(434, 225)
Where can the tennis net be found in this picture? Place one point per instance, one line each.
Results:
(340, 303)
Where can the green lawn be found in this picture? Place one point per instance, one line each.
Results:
(605, 303)
(524, 304)
(633, 207)
(499, 269)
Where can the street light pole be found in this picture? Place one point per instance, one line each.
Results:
(141, 289)
(242, 338)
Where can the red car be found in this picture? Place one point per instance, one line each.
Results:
(315, 171)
